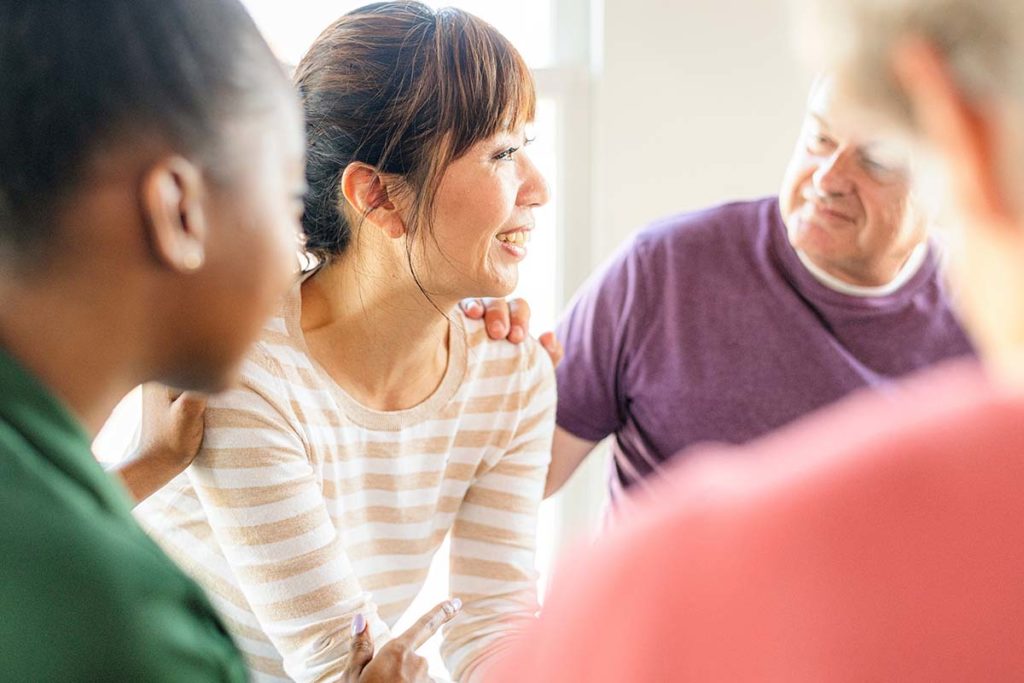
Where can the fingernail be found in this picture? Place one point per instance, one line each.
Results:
(358, 624)
(517, 332)
(497, 328)
(457, 604)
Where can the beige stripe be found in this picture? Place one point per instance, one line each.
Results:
(240, 418)
(275, 338)
(211, 582)
(254, 495)
(528, 471)
(500, 500)
(530, 424)
(244, 631)
(233, 457)
(438, 445)
(498, 367)
(308, 379)
(293, 566)
(500, 571)
(394, 579)
(383, 482)
(392, 610)
(265, 665)
(275, 532)
(503, 406)
(406, 515)
(482, 439)
(477, 337)
(297, 640)
(314, 601)
(397, 546)
(492, 534)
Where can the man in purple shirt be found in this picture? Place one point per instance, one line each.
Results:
(727, 323)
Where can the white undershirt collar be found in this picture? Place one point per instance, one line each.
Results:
(909, 270)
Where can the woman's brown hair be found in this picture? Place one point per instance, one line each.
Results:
(408, 90)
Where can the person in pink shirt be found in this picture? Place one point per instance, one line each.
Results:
(882, 538)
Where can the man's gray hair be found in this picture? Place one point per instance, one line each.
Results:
(982, 40)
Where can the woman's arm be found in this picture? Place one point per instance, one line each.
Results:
(264, 500)
(495, 534)
(172, 432)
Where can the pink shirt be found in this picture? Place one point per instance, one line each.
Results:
(882, 539)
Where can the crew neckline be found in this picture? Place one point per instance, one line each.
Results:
(914, 263)
(809, 285)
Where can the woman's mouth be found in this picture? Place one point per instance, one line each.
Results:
(513, 242)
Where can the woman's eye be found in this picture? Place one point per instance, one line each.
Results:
(506, 154)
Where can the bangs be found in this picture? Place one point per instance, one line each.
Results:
(486, 86)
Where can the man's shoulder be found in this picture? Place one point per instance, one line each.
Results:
(721, 221)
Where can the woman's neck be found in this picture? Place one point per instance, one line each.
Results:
(62, 334)
(367, 323)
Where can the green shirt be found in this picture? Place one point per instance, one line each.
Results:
(84, 593)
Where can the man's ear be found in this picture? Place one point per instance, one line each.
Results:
(172, 195)
(367, 191)
(962, 131)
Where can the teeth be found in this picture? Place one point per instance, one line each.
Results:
(517, 238)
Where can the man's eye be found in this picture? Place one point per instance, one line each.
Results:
(818, 142)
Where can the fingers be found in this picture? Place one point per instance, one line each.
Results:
(473, 308)
(554, 347)
(361, 649)
(429, 623)
(519, 320)
(190, 404)
(496, 318)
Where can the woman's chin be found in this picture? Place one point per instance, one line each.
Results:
(499, 286)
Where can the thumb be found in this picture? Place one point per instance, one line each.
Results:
(361, 649)
(554, 347)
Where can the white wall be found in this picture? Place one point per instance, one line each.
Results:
(694, 102)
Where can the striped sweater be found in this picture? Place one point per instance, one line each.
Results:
(305, 508)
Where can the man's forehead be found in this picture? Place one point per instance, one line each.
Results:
(844, 118)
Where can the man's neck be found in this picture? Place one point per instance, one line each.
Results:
(844, 285)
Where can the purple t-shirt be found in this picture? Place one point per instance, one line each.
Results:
(707, 327)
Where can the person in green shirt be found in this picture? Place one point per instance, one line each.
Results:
(151, 182)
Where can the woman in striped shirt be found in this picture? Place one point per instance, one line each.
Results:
(373, 419)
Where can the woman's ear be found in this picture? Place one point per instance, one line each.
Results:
(963, 132)
(367, 191)
(172, 192)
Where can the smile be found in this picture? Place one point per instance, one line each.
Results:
(825, 212)
(513, 243)
(519, 237)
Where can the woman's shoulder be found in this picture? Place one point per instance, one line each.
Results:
(490, 360)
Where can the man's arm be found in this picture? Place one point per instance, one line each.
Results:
(567, 453)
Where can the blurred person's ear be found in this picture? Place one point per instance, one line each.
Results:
(965, 134)
(174, 213)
